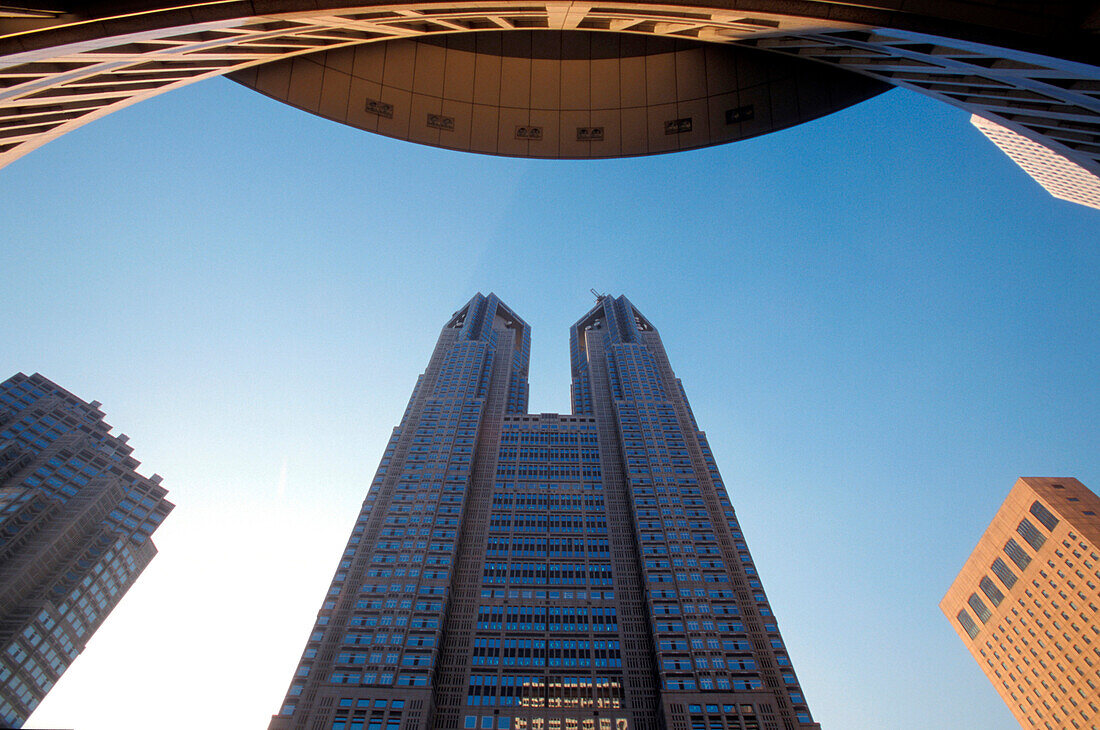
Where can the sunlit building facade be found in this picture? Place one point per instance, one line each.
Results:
(557, 79)
(75, 523)
(1060, 177)
(1026, 604)
(518, 571)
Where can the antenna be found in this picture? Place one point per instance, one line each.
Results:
(599, 297)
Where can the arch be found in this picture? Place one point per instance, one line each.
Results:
(1033, 71)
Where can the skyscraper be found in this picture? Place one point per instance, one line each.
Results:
(521, 571)
(75, 522)
(1025, 603)
(1060, 177)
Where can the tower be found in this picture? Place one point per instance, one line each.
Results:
(1025, 603)
(522, 571)
(75, 523)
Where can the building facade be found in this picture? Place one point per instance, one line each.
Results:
(517, 571)
(1061, 178)
(1025, 604)
(75, 523)
(557, 79)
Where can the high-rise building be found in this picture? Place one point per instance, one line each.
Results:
(75, 523)
(1060, 177)
(521, 571)
(1025, 604)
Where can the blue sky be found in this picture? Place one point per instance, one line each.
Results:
(880, 321)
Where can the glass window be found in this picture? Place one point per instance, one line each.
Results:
(1014, 551)
(967, 623)
(979, 607)
(1043, 515)
(1005, 573)
(991, 590)
(1031, 533)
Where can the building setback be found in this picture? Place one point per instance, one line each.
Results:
(1025, 603)
(75, 522)
(516, 571)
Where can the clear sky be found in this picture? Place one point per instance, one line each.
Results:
(881, 322)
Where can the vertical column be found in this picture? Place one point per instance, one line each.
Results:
(458, 626)
(756, 614)
(719, 655)
(373, 658)
(377, 635)
(639, 670)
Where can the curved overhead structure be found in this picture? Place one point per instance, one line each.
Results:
(561, 79)
(559, 94)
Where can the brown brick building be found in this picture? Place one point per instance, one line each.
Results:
(1026, 603)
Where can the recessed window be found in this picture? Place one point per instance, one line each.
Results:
(1044, 516)
(1030, 533)
(439, 121)
(381, 108)
(1005, 573)
(967, 623)
(991, 590)
(979, 607)
(1014, 551)
(678, 126)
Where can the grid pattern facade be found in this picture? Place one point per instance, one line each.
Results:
(1025, 604)
(516, 571)
(1031, 67)
(75, 523)
(1058, 176)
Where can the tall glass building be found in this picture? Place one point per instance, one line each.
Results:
(75, 523)
(517, 571)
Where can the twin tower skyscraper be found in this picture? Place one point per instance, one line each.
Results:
(516, 571)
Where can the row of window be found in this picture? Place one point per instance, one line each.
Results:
(548, 573)
(551, 595)
(542, 547)
(553, 523)
(385, 679)
(541, 618)
(554, 691)
(1033, 537)
(707, 684)
(396, 639)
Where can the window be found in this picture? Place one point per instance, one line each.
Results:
(979, 607)
(1030, 533)
(1014, 551)
(967, 623)
(991, 590)
(1044, 516)
(1003, 572)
